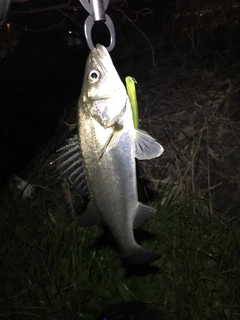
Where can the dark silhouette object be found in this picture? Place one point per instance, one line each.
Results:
(4, 5)
(106, 239)
(131, 310)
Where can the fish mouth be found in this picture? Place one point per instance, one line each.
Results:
(102, 55)
(101, 50)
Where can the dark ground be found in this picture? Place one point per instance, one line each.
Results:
(188, 91)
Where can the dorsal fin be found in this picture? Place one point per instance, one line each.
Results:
(69, 164)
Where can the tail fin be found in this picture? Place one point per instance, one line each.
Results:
(141, 257)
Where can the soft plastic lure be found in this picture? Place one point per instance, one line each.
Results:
(131, 90)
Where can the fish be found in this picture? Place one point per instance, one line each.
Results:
(102, 158)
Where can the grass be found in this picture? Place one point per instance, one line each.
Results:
(53, 269)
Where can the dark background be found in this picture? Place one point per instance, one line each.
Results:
(42, 64)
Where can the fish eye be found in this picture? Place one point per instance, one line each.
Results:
(93, 76)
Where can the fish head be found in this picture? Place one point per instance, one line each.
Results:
(103, 94)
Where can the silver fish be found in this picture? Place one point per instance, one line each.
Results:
(109, 145)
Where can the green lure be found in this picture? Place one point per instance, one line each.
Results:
(131, 90)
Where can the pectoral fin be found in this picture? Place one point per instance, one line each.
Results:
(142, 213)
(90, 216)
(146, 147)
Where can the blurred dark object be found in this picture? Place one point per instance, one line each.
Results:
(4, 5)
(131, 310)
(204, 14)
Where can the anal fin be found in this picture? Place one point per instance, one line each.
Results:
(142, 213)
